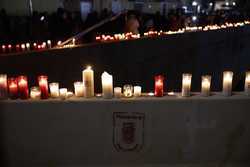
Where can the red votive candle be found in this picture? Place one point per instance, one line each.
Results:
(13, 88)
(43, 84)
(159, 86)
(17, 48)
(23, 87)
(3, 48)
(3, 86)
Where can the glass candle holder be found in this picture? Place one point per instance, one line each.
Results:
(79, 89)
(35, 93)
(13, 88)
(23, 87)
(227, 83)
(247, 83)
(128, 91)
(63, 93)
(3, 86)
(186, 85)
(205, 85)
(118, 92)
(159, 86)
(54, 89)
(137, 91)
(43, 84)
(107, 85)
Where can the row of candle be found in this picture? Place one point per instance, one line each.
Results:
(26, 47)
(18, 87)
(127, 36)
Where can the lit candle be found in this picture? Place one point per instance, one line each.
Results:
(137, 91)
(59, 43)
(128, 90)
(69, 94)
(186, 85)
(49, 44)
(28, 46)
(247, 83)
(227, 83)
(205, 85)
(35, 46)
(79, 89)
(63, 93)
(13, 88)
(3, 48)
(44, 45)
(159, 86)
(3, 86)
(74, 41)
(35, 93)
(23, 87)
(118, 92)
(88, 82)
(54, 90)
(23, 47)
(17, 47)
(107, 85)
(43, 84)
(10, 47)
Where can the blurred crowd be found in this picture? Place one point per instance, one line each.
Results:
(63, 24)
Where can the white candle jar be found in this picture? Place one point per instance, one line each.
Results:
(186, 85)
(205, 85)
(54, 90)
(118, 92)
(247, 83)
(137, 91)
(128, 91)
(79, 89)
(227, 83)
(35, 93)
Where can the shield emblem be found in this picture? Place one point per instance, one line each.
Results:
(128, 131)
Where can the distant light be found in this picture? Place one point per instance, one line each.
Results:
(227, 3)
(42, 18)
(194, 18)
(234, 3)
(211, 4)
(185, 8)
(194, 3)
(149, 6)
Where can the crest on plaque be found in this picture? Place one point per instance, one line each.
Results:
(128, 131)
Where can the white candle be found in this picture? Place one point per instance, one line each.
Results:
(107, 85)
(247, 83)
(63, 93)
(3, 86)
(206, 85)
(49, 44)
(23, 47)
(88, 82)
(137, 91)
(79, 90)
(118, 92)
(186, 85)
(54, 90)
(227, 83)
(28, 46)
(128, 90)
(35, 93)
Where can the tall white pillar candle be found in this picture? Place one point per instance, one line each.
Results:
(205, 85)
(186, 85)
(227, 83)
(107, 85)
(54, 90)
(247, 83)
(3, 86)
(88, 82)
(118, 92)
(79, 90)
(137, 91)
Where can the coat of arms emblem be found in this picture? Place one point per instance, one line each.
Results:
(128, 131)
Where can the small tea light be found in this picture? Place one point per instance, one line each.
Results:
(3, 86)
(54, 89)
(70, 94)
(151, 94)
(227, 83)
(171, 94)
(159, 86)
(49, 44)
(206, 85)
(118, 92)
(23, 87)
(79, 89)
(23, 47)
(186, 85)
(247, 83)
(43, 84)
(13, 88)
(35, 93)
(63, 93)
(128, 90)
(137, 91)
(28, 46)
